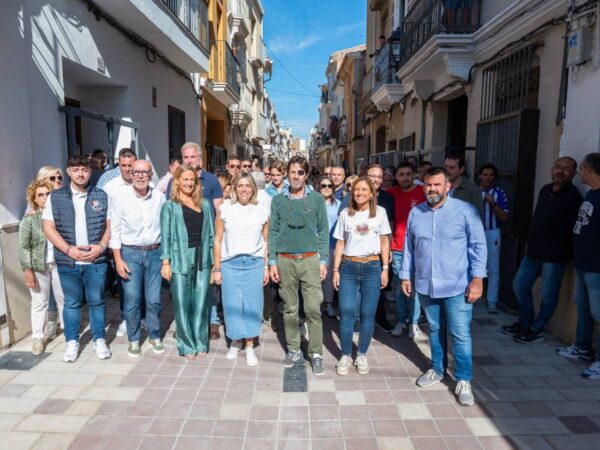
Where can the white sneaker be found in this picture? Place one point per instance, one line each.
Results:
(233, 351)
(251, 359)
(414, 332)
(464, 393)
(101, 349)
(72, 351)
(122, 330)
(362, 366)
(330, 310)
(342, 365)
(399, 329)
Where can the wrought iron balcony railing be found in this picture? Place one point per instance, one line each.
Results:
(427, 18)
(385, 67)
(193, 14)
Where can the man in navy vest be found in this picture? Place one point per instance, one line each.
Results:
(75, 222)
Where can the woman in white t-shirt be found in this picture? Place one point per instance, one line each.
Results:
(362, 254)
(240, 265)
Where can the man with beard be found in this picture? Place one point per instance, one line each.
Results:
(298, 256)
(549, 249)
(445, 252)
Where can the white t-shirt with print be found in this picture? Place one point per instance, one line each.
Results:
(362, 233)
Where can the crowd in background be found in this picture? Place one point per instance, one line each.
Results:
(250, 244)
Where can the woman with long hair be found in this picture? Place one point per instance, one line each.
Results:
(240, 265)
(362, 254)
(226, 183)
(37, 261)
(52, 174)
(326, 189)
(187, 235)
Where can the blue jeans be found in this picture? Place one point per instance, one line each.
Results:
(73, 280)
(143, 284)
(587, 301)
(529, 271)
(406, 307)
(365, 277)
(451, 314)
(492, 238)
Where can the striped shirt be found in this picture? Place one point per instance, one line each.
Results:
(490, 220)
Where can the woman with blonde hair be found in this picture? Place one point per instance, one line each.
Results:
(226, 182)
(52, 174)
(240, 265)
(187, 235)
(361, 263)
(36, 256)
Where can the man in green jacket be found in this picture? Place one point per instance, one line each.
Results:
(298, 254)
(462, 188)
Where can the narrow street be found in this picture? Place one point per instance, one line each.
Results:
(527, 397)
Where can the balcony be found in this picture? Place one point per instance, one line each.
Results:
(366, 104)
(176, 28)
(240, 17)
(241, 114)
(258, 54)
(223, 82)
(387, 89)
(443, 30)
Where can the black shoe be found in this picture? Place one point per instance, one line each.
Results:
(515, 329)
(529, 336)
(384, 326)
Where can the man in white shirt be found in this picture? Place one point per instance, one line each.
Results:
(75, 222)
(135, 242)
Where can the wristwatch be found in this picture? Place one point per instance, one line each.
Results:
(102, 246)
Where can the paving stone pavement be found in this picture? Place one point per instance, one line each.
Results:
(527, 397)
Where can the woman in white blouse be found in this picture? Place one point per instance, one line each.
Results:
(240, 265)
(362, 254)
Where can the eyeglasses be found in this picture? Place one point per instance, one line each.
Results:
(234, 166)
(377, 177)
(55, 177)
(141, 173)
(42, 194)
(295, 220)
(326, 186)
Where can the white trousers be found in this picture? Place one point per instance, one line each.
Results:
(39, 299)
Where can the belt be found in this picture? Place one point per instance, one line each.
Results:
(145, 248)
(297, 256)
(361, 259)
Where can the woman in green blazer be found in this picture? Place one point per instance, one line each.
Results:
(36, 256)
(187, 234)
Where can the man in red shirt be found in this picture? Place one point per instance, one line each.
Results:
(406, 195)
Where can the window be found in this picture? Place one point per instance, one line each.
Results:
(176, 132)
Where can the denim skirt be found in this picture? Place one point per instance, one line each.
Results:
(242, 294)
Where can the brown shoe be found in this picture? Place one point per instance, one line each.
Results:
(214, 332)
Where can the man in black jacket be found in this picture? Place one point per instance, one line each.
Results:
(549, 249)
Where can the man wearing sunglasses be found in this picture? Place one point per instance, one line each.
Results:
(246, 166)
(298, 255)
(234, 167)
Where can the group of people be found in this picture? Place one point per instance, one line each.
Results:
(249, 231)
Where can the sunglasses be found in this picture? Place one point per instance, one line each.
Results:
(55, 177)
(42, 194)
(245, 166)
(300, 173)
(235, 166)
(326, 186)
(141, 173)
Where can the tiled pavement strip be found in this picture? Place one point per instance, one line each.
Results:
(527, 397)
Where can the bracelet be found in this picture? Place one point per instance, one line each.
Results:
(385, 267)
(69, 247)
(102, 246)
(266, 267)
(166, 263)
(216, 270)
(336, 270)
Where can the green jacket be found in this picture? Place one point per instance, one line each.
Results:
(469, 192)
(174, 237)
(309, 234)
(32, 240)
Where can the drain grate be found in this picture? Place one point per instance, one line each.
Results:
(294, 378)
(21, 360)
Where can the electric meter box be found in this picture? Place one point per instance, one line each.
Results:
(579, 46)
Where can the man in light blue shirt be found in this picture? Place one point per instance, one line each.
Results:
(445, 252)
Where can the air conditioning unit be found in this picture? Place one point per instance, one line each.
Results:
(579, 46)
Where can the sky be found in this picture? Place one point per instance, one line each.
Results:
(300, 35)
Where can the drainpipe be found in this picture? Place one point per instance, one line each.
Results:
(423, 118)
